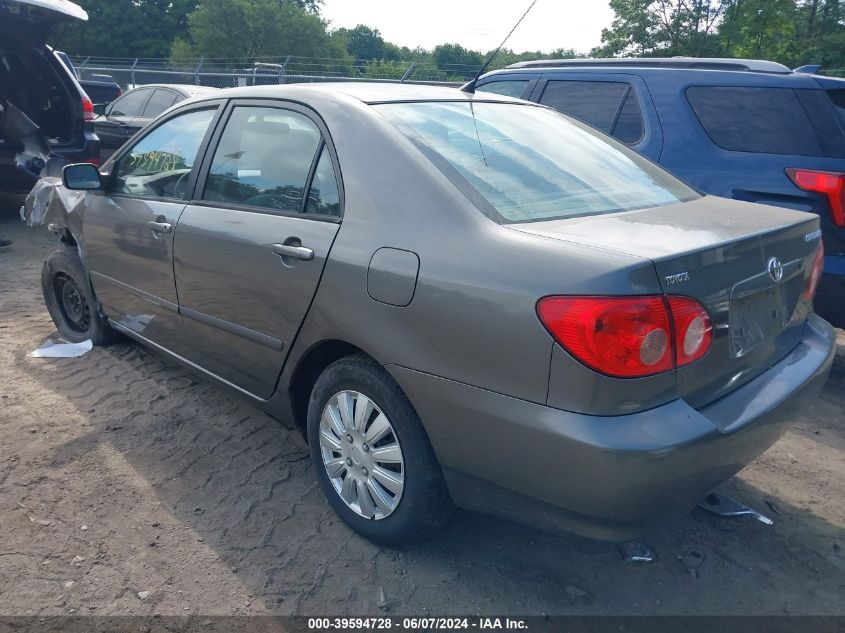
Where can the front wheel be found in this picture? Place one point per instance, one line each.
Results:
(70, 300)
(373, 458)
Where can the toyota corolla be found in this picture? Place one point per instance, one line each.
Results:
(459, 299)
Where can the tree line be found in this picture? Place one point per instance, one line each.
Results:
(789, 31)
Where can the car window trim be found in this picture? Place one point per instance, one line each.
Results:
(142, 134)
(279, 104)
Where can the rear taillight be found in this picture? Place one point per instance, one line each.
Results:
(693, 330)
(830, 184)
(87, 109)
(629, 337)
(812, 282)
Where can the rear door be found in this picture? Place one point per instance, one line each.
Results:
(617, 104)
(128, 237)
(119, 123)
(251, 246)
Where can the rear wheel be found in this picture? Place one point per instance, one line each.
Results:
(70, 300)
(373, 458)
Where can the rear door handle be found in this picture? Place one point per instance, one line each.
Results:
(299, 252)
(160, 227)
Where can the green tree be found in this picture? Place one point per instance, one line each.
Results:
(363, 42)
(127, 28)
(663, 28)
(762, 29)
(249, 29)
(455, 60)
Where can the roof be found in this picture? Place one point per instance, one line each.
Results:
(190, 90)
(367, 92)
(700, 63)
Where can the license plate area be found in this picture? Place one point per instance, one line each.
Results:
(756, 318)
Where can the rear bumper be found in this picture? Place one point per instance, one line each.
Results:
(610, 478)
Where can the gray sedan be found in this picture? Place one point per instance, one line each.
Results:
(459, 299)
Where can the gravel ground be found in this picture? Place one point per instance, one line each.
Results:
(130, 486)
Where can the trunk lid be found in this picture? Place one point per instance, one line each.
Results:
(720, 253)
(34, 20)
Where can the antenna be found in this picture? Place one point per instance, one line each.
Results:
(470, 87)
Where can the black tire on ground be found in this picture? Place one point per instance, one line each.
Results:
(425, 504)
(70, 299)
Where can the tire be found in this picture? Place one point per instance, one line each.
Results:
(423, 505)
(70, 300)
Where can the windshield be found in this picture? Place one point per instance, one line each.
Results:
(521, 163)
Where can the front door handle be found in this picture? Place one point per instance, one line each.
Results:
(160, 227)
(299, 252)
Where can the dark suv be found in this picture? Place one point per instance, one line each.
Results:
(745, 129)
(43, 110)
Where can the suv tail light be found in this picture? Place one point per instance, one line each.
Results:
(88, 109)
(829, 183)
(812, 283)
(629, 337)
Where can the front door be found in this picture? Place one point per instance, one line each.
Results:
(128, 245)
(251, 247)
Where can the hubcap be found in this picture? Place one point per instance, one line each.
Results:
(362, 455)
(73, 303)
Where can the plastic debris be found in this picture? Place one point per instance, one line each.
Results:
(575, 592)
(722, 505)
(143, 595)
(50, 348)
(636, 552)
(692, 559)
(32, 519)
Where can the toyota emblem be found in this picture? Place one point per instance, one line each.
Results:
(775, 269)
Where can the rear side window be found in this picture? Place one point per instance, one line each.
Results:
(263, 159)
(511, 88)
(759, 120)
(130, 104)
(159, 102)
(323, 197)
(609, 106)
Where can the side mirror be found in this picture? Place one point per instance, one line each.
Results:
(100, 108)
(82, 177)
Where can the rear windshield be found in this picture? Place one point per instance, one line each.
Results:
(522, 163)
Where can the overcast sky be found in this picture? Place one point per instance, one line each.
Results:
(477, 24)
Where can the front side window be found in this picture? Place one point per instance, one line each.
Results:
(263, 159)
(510, 88)
(130, 104)
(521, 163)
(160, 164)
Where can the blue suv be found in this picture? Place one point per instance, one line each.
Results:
(745, 129)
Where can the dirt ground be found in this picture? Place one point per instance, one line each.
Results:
(130, 486)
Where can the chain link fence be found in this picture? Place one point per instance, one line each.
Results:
(229, 73)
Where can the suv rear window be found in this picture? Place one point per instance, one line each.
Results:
(759, 120)
(608, 106)
(521, 163)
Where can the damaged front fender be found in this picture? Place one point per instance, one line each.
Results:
(50, 203)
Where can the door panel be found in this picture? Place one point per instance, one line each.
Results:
(242, 303)
(251, 247)
(131, 264)
(128, 233)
